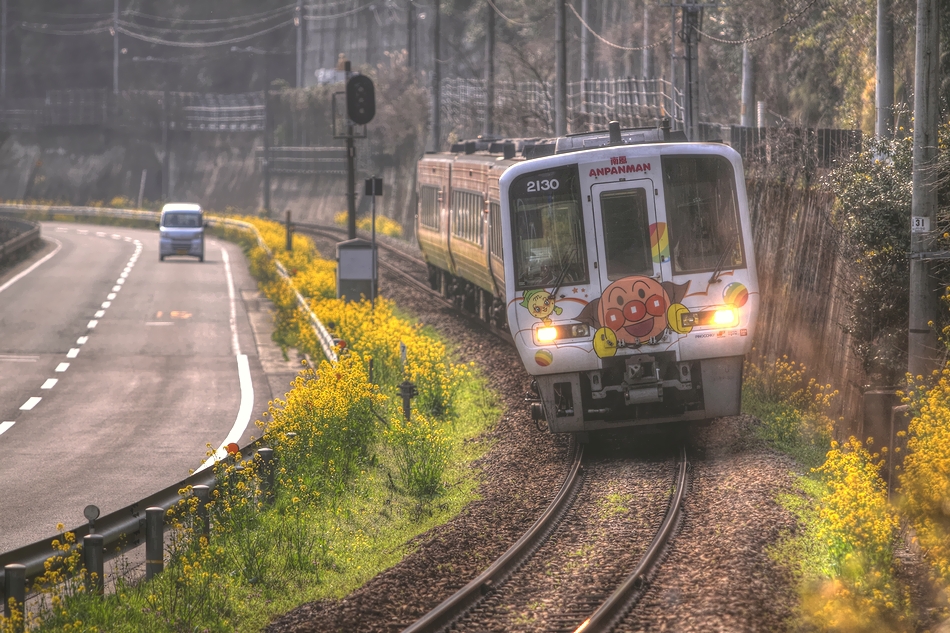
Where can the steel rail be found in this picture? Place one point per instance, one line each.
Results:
(26, 238)
(452, 608)
(616, 607)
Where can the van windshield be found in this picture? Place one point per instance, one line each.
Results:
(182, 220)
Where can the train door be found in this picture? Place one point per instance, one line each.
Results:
(634, 301)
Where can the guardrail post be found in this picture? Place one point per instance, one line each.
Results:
(14, 590)
(267, 470)
(204, 496)
(154, 541)
(92, 548)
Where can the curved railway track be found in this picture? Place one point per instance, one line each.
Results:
(474, 606)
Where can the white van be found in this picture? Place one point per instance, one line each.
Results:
(181, 231)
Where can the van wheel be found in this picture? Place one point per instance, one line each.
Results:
(161, 258)
(201, 258)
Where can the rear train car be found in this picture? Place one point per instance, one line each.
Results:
(624, 266)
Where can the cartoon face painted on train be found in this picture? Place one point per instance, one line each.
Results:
(631, 311)
(540, 303)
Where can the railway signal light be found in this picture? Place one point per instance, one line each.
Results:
(360, 99)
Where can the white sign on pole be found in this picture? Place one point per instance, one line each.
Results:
(919, 224)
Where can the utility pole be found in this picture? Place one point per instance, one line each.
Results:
(115, 48)
(298, 22)
(922, 338)
(410, 35)
(747, 116)
(646, 57)
(490, 72)
(692, 19)
(350, 169)
(266, 162)
(3, 49)
(884, 94)
(436, 79)
(586, 59)
(166, 155)
(560, 69)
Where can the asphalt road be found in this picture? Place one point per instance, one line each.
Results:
(116, 373)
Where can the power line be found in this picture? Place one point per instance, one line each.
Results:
(233, 40)
(57, 30)
(505, 17)
(617, 46)
(214, 29)
(161, 18)
(764, 35)
(313, 18)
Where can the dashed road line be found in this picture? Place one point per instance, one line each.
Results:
(62, 367)
(5, 426)
(82, 340)
(72, 353)
(92, 324)
(106, 304)
(50, 383)
(29, 404)
(15, 358)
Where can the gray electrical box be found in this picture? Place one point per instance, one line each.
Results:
(355, 270)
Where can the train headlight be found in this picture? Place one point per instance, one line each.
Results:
(549, 333)
(725, 316)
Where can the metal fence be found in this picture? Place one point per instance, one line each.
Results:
(304, 160)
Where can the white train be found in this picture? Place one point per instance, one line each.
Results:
(621, 262)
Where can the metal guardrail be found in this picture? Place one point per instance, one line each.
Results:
(124, 529)
(27, 236)
(304, 160)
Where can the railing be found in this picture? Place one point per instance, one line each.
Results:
(26, 236)
(304, 160)
(124, 529)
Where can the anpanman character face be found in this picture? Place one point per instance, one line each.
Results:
(634, 308)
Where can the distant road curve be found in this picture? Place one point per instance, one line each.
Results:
(117, 372)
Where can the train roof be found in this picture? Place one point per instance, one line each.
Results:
(495, 149)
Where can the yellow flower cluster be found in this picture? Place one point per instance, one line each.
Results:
(384, 225)
(856, 528)
(925, 481)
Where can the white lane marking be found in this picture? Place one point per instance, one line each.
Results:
(124, 274)
(235, 346)
(82, 340)
(62, 367)
(50, 383)
(5, 426)
(116, 288)
(100, 234)
(243, 416)
(29, 404)
(120, 281)
(159, 323)
(116, 236)
(72, 353)
(106, 304)
(92, 324)
(244, 374)
(128, 239)
(99, 314)
(61, 229)
(139, 244)
(26, 272)
(14, 358)
(83, 231)
(110, 296)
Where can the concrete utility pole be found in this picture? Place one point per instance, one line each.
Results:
(586, 49)
(747, 116)
(884, 93)
(490, 72)
(560, 69)
(646, 56)
(298, 22)
(692, 19)
(410, 35)
(350, 169)
(922, 338)
(3, 49)
(436, 79)
(115, 48)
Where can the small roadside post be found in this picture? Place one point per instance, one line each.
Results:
(373, 188)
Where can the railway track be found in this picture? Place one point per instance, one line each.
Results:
(504, 588)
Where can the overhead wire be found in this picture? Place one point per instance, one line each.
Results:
(233, 40)
(58, 30)
(505, 17)
(190, 31)
(611, 44)
(314, 18)
(162, 18)
(763, 35)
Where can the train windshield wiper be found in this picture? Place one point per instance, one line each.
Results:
(566, 261)
(720, 264)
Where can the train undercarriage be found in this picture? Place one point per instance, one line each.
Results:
(468, 297)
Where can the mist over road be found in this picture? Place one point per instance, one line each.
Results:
(116, 372)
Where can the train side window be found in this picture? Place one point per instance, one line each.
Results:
(467, 215)
(429, 206)
(495, 243)
(626, 233)
(702, 212)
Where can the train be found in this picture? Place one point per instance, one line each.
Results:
(620, 261)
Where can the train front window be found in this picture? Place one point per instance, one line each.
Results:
(626, 233)
(547, 229)
(702, 213)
